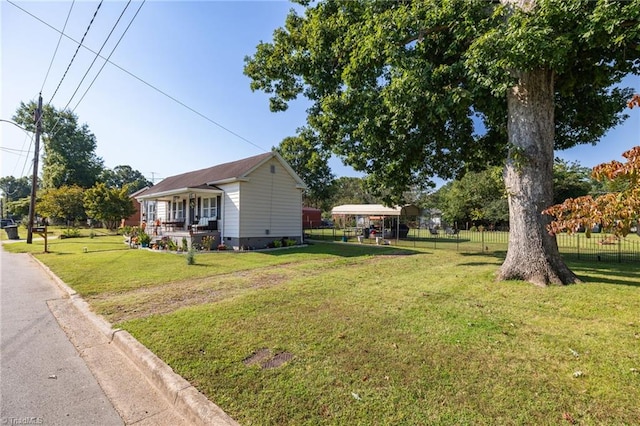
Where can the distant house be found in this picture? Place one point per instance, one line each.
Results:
(247, 203)
(311, 218)
(134, 219)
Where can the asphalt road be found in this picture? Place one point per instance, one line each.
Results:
(43, 379)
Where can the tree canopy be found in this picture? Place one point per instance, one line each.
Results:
(69, 148)
(122, 176)
(108, 205)
(405, 91)
(62, 204)
(478, 197)
(311, 164)
(570, 180)
(15, 188)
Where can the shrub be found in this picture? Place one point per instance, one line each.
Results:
(191, 256)
(70, 233)
(144, 239)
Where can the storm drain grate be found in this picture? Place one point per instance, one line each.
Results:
(264, 358)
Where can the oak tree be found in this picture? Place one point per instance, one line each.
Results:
(405, 91)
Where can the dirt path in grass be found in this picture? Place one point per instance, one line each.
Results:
(166, 298)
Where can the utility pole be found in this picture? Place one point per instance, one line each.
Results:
(34, 177)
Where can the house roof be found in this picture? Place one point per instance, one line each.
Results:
(209, 177)
(375, 210)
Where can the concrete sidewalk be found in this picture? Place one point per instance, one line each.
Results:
(142, 388)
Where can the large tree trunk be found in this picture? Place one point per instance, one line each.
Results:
(533, 253)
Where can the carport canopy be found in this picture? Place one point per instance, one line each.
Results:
(375, 210)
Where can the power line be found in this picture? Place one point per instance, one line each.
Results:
(94, 61)
(14, 150)
(77, 49)
(98, 54)
(57, 46)
(22, 150)
(145, 82)
(108, 57)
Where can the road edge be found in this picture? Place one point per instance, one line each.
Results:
(186, 399)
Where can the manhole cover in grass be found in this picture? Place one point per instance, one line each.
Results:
(264, 358)
(258, 357)
(277, 360)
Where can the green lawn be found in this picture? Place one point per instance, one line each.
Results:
(373, 335)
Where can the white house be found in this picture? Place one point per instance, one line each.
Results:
(245, 203)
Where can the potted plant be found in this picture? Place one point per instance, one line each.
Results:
(144, 239)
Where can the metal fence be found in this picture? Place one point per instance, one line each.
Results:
(599, 247)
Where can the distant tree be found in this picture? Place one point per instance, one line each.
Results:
(19, 208)
(108, 205)
(396, 87)
(69, 148)
(62, 204)
(478, 197)
(124, 175)
(352, 190)
(311, 163)
(570, 180)
(12, 190)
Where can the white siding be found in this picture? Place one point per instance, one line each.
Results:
(231, 210)
(270, 201)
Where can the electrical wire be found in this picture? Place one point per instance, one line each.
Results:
(77, 49)
(21, 150)
(57, 46)
(109, 57)
(14, 150)
(55, 126)
(145, 82)
(98, 54)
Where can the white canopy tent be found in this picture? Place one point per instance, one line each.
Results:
(377, 211)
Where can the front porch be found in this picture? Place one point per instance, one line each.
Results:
(188, 213)
(189, 238)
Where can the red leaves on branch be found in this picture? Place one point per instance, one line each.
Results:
(616, 212)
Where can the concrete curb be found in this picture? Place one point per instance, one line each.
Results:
(185, 398)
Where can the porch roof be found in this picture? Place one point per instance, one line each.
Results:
(167, 195)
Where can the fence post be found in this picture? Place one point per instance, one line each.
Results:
(482, 239)
(578, 244)
(619, 250)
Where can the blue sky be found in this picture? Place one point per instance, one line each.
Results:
(192, 51)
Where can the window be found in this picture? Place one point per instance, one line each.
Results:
(209, 207)
(177, 209)
(151, 211)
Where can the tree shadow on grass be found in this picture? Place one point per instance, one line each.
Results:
(498, 255)
(607, 273)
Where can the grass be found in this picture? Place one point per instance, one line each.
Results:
(377, 335)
